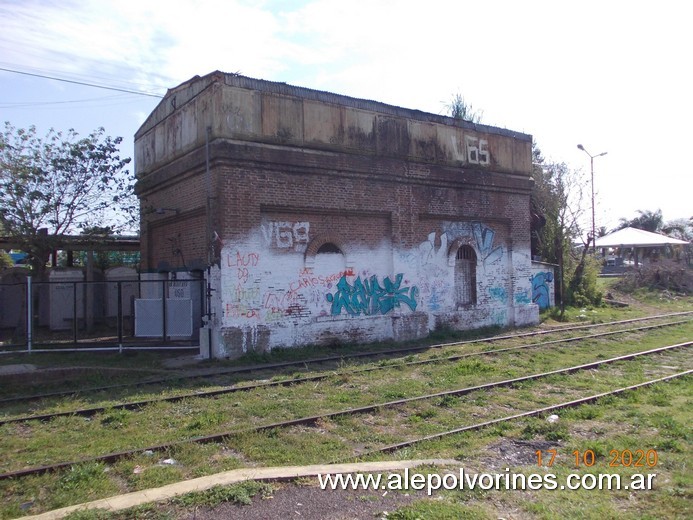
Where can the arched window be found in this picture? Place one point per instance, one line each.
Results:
(329, 259)
(329, 247)
(465, 276)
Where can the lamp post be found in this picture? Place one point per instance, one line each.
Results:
(594, 234)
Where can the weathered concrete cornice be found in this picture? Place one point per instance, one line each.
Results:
(292, 160)
(257, 111)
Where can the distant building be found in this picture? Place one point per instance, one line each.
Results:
(330, 219)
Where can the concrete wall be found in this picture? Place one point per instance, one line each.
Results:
(257, 111)
(397, 191)
(126, 280)
(13, 298)
(272, 297)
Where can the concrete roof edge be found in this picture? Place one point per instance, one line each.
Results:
(280, 88)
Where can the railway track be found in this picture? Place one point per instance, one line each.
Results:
(313, 419)
(532, 413)
(322, 360)
(136, 405)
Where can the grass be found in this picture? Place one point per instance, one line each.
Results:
(642, 302)
(115, 430)
(609, 427)
(242, 494)
(447, 510)
(654, 419)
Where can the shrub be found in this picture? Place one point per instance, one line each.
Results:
(665, 275)
(583, 292)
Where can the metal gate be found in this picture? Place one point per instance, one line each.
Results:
(163, 317)
(68, 313)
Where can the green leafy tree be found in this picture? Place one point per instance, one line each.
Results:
(5, 260)
(557, 206)
(681, 228)
(458, 108)
(56, 184)
(651, 221)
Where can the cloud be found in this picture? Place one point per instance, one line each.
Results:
(610, 77)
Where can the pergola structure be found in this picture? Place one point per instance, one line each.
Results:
(636, 239)
(71, 243)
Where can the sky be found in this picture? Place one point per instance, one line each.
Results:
(614, 76)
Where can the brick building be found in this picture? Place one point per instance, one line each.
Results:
(320, 218)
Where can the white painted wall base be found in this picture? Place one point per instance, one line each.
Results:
(270, 292)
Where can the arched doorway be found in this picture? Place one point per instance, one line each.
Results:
(465, 276)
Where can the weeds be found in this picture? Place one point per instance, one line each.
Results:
(656, 418)
(241, 494)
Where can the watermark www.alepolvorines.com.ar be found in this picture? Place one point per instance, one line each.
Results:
(433, 482)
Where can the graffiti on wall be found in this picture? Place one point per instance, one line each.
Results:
(249, 297)
(243, 263)
(286, 235)
(541, 294)
(482, 235)
(369, 297)
(499, 294)
(477, 150)
(243, 298)
(302, 297)
(522, 298)
(431, 260)
(261, 288)
(434, 250)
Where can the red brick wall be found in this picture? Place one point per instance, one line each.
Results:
(273, 203)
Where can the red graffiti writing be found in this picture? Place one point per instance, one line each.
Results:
(315, 281)
(242, 259)
(235, 310)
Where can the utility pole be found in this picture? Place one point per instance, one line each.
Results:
(594, 234)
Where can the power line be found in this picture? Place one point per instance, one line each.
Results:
(26, 104)
(92, 76)
(83, 83)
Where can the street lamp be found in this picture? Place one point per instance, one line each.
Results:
(594, 235)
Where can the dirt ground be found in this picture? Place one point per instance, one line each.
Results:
(310, 502)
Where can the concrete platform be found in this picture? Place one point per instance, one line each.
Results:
(12, 370)
(183, 361)
(235, 476)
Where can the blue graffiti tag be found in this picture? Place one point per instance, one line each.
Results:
(434, 300)
(483, 237)
(522, 299)
(484, 243)
(369, 297)
(499, 293)
(540, 289)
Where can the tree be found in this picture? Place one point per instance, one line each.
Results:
(556, 203)
(681, 228)
(651, 221)
(5, 260)
(459, 109)
(54, 185)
